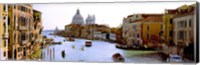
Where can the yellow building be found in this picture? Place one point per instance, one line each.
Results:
(168, 21)
(152, 30)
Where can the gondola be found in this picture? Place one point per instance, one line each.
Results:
(63, 54)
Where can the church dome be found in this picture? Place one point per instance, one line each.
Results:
(78, 19)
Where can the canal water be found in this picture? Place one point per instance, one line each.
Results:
(100, 51)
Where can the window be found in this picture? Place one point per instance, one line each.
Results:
(4, 43)
(24, 51)
(22, 8)
(147, 27)
(14, 21)
(36, 26)
(19, 37)
(19, 49)
(14, 37)
(185, 25)
(22, 21)
(171, 21)
(171, 43)
(9, 21)
(182, 24)
(138, 42)
(4, 54)
(161, 33)
(181, 35)
(138, 35)
(134, 27)
(147, 35)
(9, 40)
(171, 33)
(23, 36)
(4, 24)
(190, 22)
(4, 7)
(31, 35)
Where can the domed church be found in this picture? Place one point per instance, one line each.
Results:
(78, 19)
(90, 19)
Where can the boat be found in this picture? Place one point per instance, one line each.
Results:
(63, 54)
(117, 57)
(57, 43)
(70, 39)
(73, 46)
(82, 48)
(88, 43)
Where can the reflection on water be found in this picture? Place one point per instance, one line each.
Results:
(100, 51)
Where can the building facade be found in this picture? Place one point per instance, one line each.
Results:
(183, 30)
(139, 28)
(36, 40)
(19, 21)
(3, 32)
(153, 31)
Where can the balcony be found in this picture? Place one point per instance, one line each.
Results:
(23, 28)
(24, 42)
(5, 36)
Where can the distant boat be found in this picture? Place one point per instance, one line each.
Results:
(82, 48)
(70, 39)
(57, 43)
(73, 46)
(63, 54)
(88, 43)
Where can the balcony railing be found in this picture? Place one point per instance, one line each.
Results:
(24, 42)
(23, 28)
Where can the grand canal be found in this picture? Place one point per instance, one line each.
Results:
(100, 51)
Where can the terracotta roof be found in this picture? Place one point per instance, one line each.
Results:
(153, 19)
(182, 9)
(150, 17)
(171, 11)
(147, 15)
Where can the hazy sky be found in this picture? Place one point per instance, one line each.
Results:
(111, 14)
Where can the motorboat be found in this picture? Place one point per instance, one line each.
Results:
(57, 43)
(117, 57)
(88, 43)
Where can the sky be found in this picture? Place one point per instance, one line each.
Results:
(112, 14)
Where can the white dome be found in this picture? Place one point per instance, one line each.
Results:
(78, 19)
